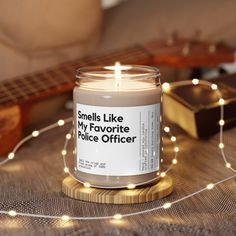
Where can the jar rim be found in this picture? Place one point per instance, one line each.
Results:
(108, 72)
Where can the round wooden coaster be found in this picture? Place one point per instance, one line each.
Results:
(76, 190)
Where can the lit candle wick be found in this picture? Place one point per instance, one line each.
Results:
(117, 71)
(117, 74)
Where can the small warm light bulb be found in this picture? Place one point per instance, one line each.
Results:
(170, 41)
(68, 136)
(65, 217)
(173, 138)
(74, 151)
(221, 145)
(212, 48)
(165, 87)
(176, 149)
(214, 86)
(131, 186)
(185, 50)
(35, 133)
(221, 122)
(221, 101)
(11, 155)
(228, 165)
(163, 174)
(158, 173)
(195, 81)
(87, 185)
(61, 122)
(117, 216)
(66, 170)
(167, 129)
(167, 205)
(63, 152)
(174, 161)
(210, 186)
(12, 213)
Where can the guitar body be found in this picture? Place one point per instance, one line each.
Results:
(10, 128)
(14, 119)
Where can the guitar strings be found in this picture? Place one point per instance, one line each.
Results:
(126, 54)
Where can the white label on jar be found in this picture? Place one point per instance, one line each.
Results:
(118, 141)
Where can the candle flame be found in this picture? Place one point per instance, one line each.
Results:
(117, 68)
(118, 65)
(117, 71)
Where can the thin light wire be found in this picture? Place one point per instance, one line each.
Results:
(207, 83)
(120, 186)
(166, 205)
(30, 136)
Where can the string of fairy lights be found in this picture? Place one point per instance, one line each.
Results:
(166, 87)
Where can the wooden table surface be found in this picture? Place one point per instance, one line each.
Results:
(32, 183)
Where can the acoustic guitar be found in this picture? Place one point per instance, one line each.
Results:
(18, 95)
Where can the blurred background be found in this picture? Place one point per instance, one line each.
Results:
(35, 35)
(42, 43)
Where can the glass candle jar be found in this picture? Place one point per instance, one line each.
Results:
(117, 118)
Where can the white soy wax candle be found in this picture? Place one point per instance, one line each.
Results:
(117, 117)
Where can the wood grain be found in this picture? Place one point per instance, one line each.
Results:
(76, 190)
